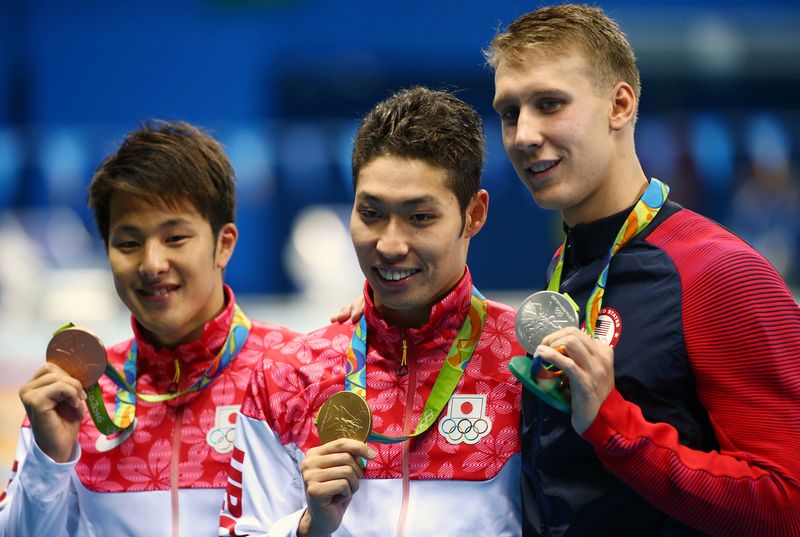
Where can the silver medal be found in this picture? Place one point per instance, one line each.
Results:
(541, 314)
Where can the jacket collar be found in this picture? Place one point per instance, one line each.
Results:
(588, 242)
(447, 316)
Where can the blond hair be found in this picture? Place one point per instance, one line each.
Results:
(561, 29)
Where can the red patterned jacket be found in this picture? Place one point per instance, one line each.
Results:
(434, 484)
(163, 477)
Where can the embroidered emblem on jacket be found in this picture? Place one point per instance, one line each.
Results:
(466, 420)
(609, 326)
(220, 437)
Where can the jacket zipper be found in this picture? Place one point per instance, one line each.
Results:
(407, 417)
(403, 369)
(174, 474)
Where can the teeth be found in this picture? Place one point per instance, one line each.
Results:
(157, 292)
(538, 168)
(395, 274)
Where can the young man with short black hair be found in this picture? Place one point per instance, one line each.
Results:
(164, 204)
(428, 360)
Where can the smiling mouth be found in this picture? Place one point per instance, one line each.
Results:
(157, 291)
(541, 167)
(396, 275)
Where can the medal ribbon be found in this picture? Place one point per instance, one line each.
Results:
(125, 408)
(450, 373)
(640, 217)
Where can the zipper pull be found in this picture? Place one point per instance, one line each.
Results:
(403, 369)
(173, 387)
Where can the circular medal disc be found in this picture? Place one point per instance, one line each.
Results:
(344, 415)
(540, 315)
(78, 352)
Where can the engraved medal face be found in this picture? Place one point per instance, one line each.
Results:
(540, 315)
(344, 415)
(78, 352)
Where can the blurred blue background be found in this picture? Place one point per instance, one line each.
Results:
(283, 83)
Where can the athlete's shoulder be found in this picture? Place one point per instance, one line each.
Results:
(264, 326)
(117, 352)
(687, 234)
(714, 262)
(499, 308)
(307, 348)
(498, 338)
(268, 335)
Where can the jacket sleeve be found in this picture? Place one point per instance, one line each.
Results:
(265, 493)
(39, 497)
(742, 335)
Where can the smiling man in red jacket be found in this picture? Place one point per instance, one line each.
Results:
(429, 356)
(164, 204)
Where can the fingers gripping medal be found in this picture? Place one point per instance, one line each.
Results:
(78, 352)
(344, 415)
(540, 315)
(83, 356)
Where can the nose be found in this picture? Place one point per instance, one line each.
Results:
(154, 260)
(528, 134)
(392, 242)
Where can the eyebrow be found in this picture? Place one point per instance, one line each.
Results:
(503, 100)
(172, 222)
(411, 202)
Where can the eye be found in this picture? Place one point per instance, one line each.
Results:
(368, 214)
(550, 105)
(509, 115)
(422, 218)
(176, 239)
(125, 245)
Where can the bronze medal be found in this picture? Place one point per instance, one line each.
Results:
(344, 415)
(78, 352)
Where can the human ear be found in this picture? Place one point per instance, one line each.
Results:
(226, 242)
(623, 106)
(477, 212)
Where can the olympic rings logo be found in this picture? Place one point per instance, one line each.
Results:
(466, 420)
(221, 436)
(469, 430)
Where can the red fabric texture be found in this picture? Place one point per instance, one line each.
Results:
(292, 383)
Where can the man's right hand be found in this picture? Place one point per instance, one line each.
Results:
(53, 401)
(331, 474)
(352, 312)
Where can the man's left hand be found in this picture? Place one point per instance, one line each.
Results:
(589, 365)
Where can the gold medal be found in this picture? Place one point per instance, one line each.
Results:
(344, 415)
(78, 352)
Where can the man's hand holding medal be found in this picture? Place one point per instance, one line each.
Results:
(53, 398)
(566, 368)
(331, 472)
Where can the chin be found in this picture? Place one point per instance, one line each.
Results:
(550, 200)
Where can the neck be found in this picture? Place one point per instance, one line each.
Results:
(617, 192)
(413, 318)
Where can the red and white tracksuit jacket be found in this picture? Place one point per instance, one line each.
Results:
(433, 484)
(163, 477)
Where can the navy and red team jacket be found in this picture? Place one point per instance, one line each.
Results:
(701, 433)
